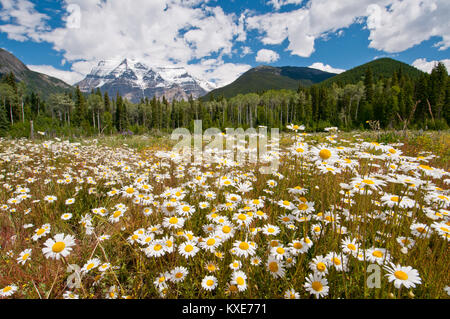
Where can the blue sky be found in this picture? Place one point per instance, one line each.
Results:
(219, 40)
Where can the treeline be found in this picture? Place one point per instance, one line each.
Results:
(394, 102)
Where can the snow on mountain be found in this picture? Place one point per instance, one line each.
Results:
(135, 80)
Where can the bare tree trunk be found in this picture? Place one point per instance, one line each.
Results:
(23, 114)
(10, 111)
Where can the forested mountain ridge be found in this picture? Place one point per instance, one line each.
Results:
(263, 78)
(36, 82)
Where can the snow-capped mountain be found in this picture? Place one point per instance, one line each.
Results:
(135, 80)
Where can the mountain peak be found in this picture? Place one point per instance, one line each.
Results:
(136, 80)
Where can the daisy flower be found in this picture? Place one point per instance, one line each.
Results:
(235, 265)
(66, 216)
(378, 255)
(319, 265)
(297, 247)
(350, 246)
(244, 248)
(420, 230)
(188, 249)
(90, 264)
(41, 232)
(24, 256)
(104, 267)
(173, 222)
(275, 267)
(317, 285)
(211, 267)
(59, 246)
(8, 290)
(70, 201)
(279, 252)
(270, 230)
(70, 295)
(239, 278)
(178, 274)
(291, 294)
(402, 276)
(210, 243)
(209, 283)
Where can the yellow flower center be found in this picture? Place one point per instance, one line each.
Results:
(336, 261)
(58, 247)
(368, 181)
(298, 245)
(210, 241)
(273, 266)
(173, 220)
(117, 214)
(178, 275)
(6, 289)
(377, 254)
(90, 266)
(158, 247)
(351, 247)
(317, 286)
(321, 267)
(40, 231)
(280, 250)
(394, 199)
(242, 217)
(188, 248)
(186, 208)
(24, 257)
(240, 281)
(400, 275)
(209, 282)
(243, 246)
(325, 154)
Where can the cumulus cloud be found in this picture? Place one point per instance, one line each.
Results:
(326, 68)
(21, 21)
(267, 56)
(407, 23)
(69, 77)
(277, 4)
(427, 66)
(394, 25)
(157, 32)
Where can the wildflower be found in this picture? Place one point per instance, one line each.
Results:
(402, 276)
(60, 246)
(188, 249)
(244, 248)
(275, 267)
(8, 290)
(209, 283)
(24, 256)
(316, 285)
(178, 274)
(239, 278)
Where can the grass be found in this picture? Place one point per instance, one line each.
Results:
(87, 170)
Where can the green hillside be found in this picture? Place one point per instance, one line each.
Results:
(384, 67)
(263, 78)
(39, 83)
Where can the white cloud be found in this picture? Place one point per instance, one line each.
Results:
(326, 68)
(303, 26)
(217, 71)
(21, 20)
(267, 56)
(277, 4)
(394, 25)
(407, 23)
(157, 32)
(427, 66)
(246, 51)
(67, 76)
